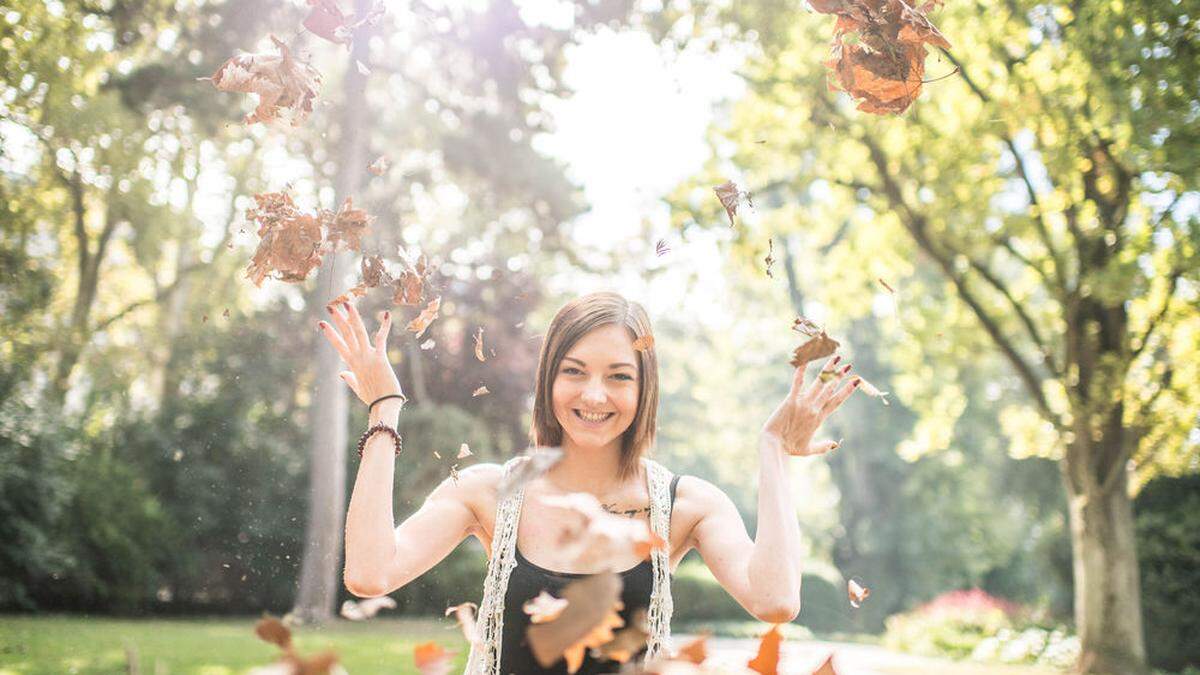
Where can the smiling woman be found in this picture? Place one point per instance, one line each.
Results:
(596, 398)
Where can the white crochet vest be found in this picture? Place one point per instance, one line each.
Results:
(485, 657)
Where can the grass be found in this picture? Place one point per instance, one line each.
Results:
(61, 645)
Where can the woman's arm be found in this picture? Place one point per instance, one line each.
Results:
(763, 575)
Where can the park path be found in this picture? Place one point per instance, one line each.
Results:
(801, 657)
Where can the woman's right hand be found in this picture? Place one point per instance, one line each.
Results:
(371, 374)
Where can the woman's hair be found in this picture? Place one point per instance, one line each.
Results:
(571, 323)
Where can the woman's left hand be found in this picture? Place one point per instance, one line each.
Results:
(795, 422)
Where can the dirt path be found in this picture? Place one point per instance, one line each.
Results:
(802, 657)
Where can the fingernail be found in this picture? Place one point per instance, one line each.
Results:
(846, 369)
(387, 315)
(857, 382)
(329, 308)
(836, 359)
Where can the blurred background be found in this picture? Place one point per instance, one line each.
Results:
(1013, 259)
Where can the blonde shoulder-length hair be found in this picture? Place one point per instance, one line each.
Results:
(571, 323)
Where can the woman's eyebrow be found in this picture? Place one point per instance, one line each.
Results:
(615, 365)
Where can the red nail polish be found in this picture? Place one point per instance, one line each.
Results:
(846, 369)
(836, 359)
(387, 315)
(857, 382)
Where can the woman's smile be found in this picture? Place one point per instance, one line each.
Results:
(590, 419)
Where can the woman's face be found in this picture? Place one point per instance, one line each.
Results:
(595, 390)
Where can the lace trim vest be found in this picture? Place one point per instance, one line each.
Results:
(484, 658)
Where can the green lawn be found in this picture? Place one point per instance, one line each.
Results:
(71, 644)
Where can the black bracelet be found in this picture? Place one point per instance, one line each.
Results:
(362, 440)
(402, 397)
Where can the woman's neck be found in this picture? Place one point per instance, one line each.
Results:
(592, 470)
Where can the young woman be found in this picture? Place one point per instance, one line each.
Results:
(596, 397)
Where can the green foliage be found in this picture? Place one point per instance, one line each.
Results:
(1167, 514)
(699, 598)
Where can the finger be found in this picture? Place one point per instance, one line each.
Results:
(344, 329)
(817, 389)
(830, 387)
(339, 345)
(356, 323)
(381, 335)
(844, 393)
(350, 380)
(822, 447)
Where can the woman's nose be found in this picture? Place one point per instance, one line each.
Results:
(593, 393)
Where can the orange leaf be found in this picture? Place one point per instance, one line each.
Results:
(766, 661)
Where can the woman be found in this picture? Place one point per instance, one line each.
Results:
(596, 397)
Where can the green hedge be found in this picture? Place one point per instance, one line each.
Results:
(1167, 518)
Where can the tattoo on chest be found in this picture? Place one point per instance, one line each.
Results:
(629, 513)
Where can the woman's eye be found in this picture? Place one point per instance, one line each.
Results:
(623, 376)
(571, 370)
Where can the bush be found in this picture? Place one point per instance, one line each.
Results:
(952, 624)
(1167, 520)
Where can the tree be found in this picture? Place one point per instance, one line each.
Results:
(1043, 183)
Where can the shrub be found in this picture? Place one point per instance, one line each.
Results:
(952, 624)
(1167, 520)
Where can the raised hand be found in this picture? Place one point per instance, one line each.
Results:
(795, 421)
(371, 374)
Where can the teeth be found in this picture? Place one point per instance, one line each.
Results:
(591, 417)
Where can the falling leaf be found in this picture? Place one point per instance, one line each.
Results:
(380, 165)
(644, 343)
(365, 609)
(428, 344)
(766, 661)
(479, 344)
(661, 248)
(731, 197)
(362, 67)
(826, 667)
(595, 535)
(817, 347)
(290, 241)
(454, 474)
(480, 391)
(537, 462)
(437, 454)
(464, 452)
(695, 651)
(432, 659)
(770, 259)
(419, 324)
(465, 615)
(410, 287)
(286, 88)
(857, 592)
(587, 621)
(270, 629)
(544, 607)
(177, 456)
(225, 314)
(885, 285)
(344, 228)
(204, 319)
(878, 51)
(870, 390)
(626, 642)
(326, 20)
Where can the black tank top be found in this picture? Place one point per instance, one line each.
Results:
(528, 579)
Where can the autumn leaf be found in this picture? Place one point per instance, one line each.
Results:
(770, 259)
(731, 197)
(410, 287)
(480, 391)
(626, 642)
(695, 651)
(766, 661)
(380, 165)
(289, 241)
(270, 629)
(479, 344)
(593, 534)
(366, 609)
(587, 621)
(661, 248)
(643, 343)
(465, 615)
(326, 20)
(345, 228)
(871, 390)
(817, 347)
(426, 317)
(544, 607)
(885, 285)
(537, 461)
(464, 451)
(286, 88)
(826, 667)
(857, 592)
(432, 659)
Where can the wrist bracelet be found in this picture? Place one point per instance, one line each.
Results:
(362, 440)
(402, 397)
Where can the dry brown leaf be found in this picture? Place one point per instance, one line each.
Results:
(432, 659)
(595, 535)
(270, 629)
(537, 462)
(770, 259)
(885, 285)
(479, 345)
(345, 228)
(410, 287)
(695, 651)
(817, 347)
(871, 390)
(426, 317)
(857, 592)
(326, 20)
(544, 607)
(366, 609)
(289, 241)
(465, 615)
(766, 661)
(286, 88)
(731, 197)
(661, 248)
(826, 667)
(464, 451)
(588, 621)
(380, 165)
(480, 391)
(627, 642)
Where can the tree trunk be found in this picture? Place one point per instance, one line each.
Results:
(1108, 606)
(320, 571)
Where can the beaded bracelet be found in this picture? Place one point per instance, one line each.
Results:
(362, 441)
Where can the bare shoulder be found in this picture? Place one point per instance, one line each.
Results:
(695, 499)
(475, 488)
